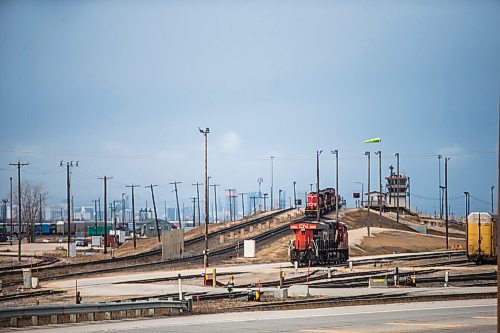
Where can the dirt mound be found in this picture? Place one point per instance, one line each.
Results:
(356, 219)
(389, 242)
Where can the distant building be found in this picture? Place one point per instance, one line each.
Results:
(397, 189)
(147, 227)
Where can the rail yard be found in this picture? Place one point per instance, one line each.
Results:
(377, 272)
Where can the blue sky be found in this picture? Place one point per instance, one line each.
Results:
(122, 86)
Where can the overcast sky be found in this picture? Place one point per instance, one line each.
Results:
(122, 86)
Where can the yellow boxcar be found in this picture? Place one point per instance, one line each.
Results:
(481, 243)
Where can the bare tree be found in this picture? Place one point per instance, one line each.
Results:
(31, 210)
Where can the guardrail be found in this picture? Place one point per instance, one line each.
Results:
(72, 313)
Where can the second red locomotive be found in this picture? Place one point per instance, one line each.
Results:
(326, 202)
(320, 243)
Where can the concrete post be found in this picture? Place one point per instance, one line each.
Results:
(27, 278)
(242, 232)
(34, 320)
(53, 319)
(180, 286)
(222, 239)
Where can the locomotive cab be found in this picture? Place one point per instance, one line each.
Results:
(319, 242)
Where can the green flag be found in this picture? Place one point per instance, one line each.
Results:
(374, 140)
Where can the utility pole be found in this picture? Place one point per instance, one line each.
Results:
(177, 201)
(40, 218)
(68, 197)
(409, 194)
(194, 210)
(11, 212)
(294, 196)
(318, 152)
(19, 165)
(205, 254)
(492, 209)
(233, 198)
(154, 207)
(95, 216)
(398, 182)
(272, 181)
(198, 198)
(243, 205)
(367, 153)
(254, 208)
(379, 153)
(440, 189)
(112, 206)
(123, 210)
(230, 205)
(133, 212)
(466, 220)
(337, 195)
(446, 159)
(105, 231)
(100, 215)
(165, 205)
(215, 201)
(260, 180)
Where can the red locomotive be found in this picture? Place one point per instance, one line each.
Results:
(327, 199)
(321, 243)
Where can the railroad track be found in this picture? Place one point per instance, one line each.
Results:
(7, 275)
(193, 259)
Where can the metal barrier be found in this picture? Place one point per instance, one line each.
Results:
(13, 315)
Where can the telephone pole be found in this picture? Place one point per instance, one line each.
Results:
(440, 189)
(11, 212)
(205, 253)
(68, 197)
(318, 152)
(337, 196)
(260, 180)
(254, 208)
(105, 231)
(123, 210)
(398, 183)
(193, 199)
(243, 204)
(19, 165)
(177, 200)
(379, 153)
(154, 207)
(95, 216)
(215, 200)
(133, 212)
(446, 159)
(294, 195)
(230, 205)
(272, 181)
(198, 198)
(367, 153)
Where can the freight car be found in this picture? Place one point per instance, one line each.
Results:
(327, 199)
(481, 243)
(322, 243)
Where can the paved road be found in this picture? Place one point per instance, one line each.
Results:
(451, 316)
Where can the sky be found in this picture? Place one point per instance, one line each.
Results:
(122, 87)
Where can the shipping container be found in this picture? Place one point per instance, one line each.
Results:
(481, 245)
